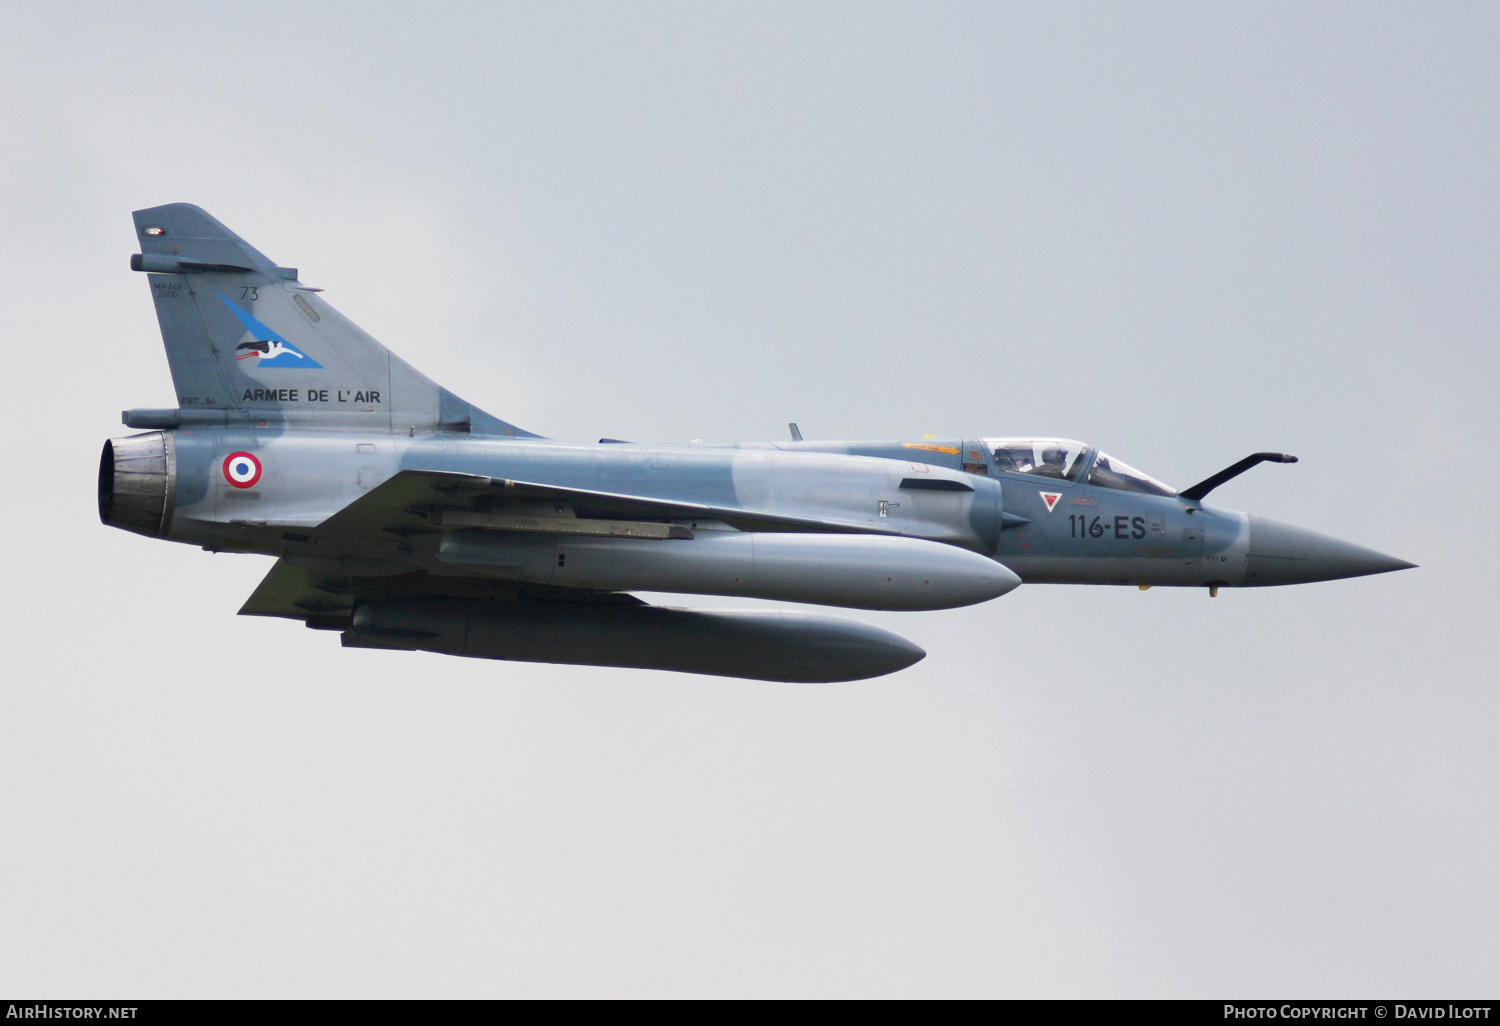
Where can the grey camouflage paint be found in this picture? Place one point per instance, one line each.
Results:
(348, 457)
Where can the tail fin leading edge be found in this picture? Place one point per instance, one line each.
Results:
(248, 342)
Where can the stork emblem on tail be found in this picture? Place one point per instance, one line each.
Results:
(266, 349)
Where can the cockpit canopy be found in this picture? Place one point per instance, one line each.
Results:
(1059, 458)
(1064, 459)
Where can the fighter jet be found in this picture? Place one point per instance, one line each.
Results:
(403, 517)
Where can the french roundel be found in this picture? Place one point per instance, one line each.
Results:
(241, 469)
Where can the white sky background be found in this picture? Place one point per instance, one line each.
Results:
(1181, 232)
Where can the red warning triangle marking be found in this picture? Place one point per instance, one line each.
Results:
(1050, 498)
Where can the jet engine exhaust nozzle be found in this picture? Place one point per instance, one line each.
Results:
(137, 483)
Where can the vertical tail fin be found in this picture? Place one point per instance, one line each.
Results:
(248, 343)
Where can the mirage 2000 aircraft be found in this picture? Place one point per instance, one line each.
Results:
(405, 518)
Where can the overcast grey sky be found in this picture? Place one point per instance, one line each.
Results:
(1183, 232)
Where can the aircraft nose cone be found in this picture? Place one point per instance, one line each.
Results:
(1283, 554)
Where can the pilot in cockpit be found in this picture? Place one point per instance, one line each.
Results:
(1054, 464)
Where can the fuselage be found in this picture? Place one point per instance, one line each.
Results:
(1045, 528)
